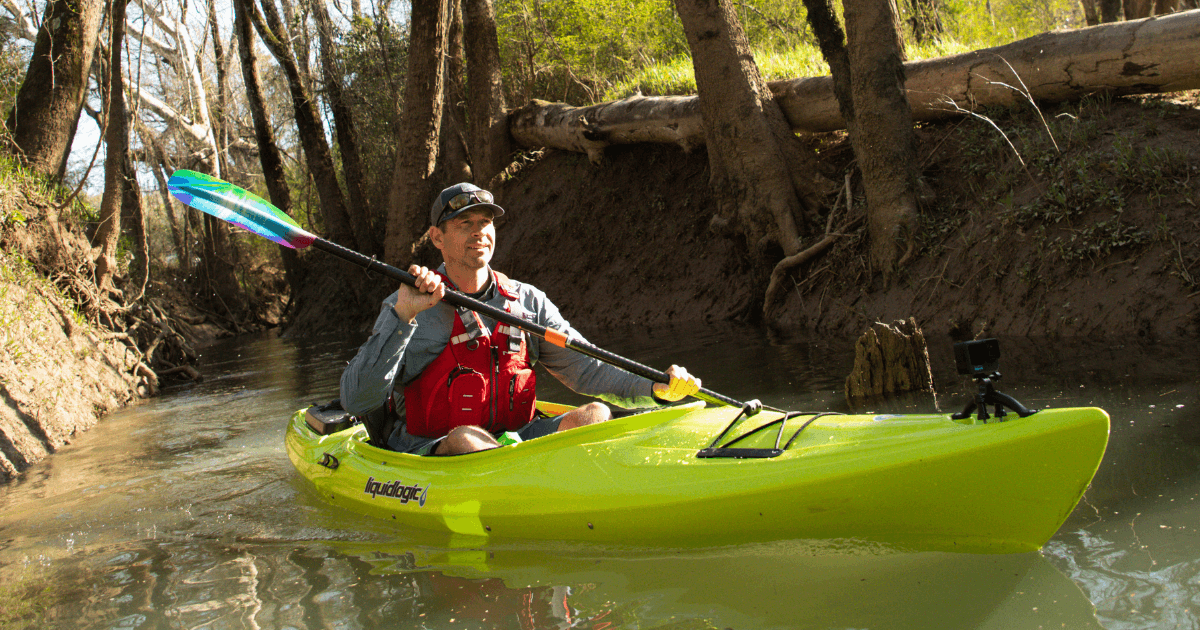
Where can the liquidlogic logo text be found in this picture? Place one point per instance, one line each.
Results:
(397, 490)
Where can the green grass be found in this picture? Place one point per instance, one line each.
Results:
(15, 176)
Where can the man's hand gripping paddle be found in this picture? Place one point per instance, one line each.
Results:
(251, 212)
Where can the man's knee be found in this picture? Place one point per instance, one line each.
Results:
(591, 413)
(466, 439)
(599, 412)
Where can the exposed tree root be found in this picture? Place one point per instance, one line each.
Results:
(159, 342)
(783, 268)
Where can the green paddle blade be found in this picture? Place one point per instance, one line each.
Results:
(237, 206)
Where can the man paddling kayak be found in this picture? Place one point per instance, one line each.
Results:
(433, 379)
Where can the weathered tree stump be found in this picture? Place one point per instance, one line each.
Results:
(889, 360)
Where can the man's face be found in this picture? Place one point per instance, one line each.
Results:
(467, 240)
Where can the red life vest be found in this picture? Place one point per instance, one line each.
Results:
(481, 379)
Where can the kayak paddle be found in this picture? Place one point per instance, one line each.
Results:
(251, 212)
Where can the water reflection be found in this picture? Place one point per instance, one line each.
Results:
(210, 584)
(184, 512)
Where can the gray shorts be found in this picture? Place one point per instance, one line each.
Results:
(404, 442)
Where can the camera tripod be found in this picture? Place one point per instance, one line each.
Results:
(986, 394)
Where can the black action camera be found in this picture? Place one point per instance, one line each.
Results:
(981, 360)
(976, 358)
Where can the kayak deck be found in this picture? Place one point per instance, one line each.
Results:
(917, 482)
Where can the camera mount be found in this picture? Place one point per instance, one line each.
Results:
(986, 394)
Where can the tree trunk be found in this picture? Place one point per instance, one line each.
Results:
(1138, 9)
(133, 223)
(761, 178)
(219, 115)
(308, 127)
(116, 149)
(268, 152)
(882, 134)
(491, 147)
(637, 119)
(223, 258)
(160, 169)
(1091, 11)
(455, 159)
(1160, 54)
(823, 18)
(359, 207)
(1110, 10)
(48, 102)
(65, 162)
(417, 145)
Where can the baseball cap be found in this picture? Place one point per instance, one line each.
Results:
(458, 198)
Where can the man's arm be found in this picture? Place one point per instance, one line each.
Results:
(368, 379)
(593, 377)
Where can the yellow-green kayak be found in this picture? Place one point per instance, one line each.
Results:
(671, 477)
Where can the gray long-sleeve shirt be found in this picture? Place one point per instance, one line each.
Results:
(398, 352)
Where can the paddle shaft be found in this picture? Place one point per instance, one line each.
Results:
(555, 337)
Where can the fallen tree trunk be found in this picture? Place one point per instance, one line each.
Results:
(661, 119)
(1159, 54)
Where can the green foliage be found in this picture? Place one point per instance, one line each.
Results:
(375, 65)
(576, 50)
(14, 175)
(674, 77)
(1096, 241)
(677, 78)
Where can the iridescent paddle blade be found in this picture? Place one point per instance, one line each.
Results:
(240, 207)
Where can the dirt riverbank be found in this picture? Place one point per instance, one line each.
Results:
(61, 369)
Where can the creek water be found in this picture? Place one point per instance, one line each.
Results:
(184, 512)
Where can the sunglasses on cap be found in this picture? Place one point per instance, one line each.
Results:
(462, 200)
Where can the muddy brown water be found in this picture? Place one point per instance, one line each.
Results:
(184, 512)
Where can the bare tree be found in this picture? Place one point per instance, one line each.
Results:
(42, 121)
(417, 145)
(491, 145)
(116, 140)
(268, 151)
(358, 206)
(191, 120)
(868, 80)
(308, 125)
(765, 184)
(883, 137)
